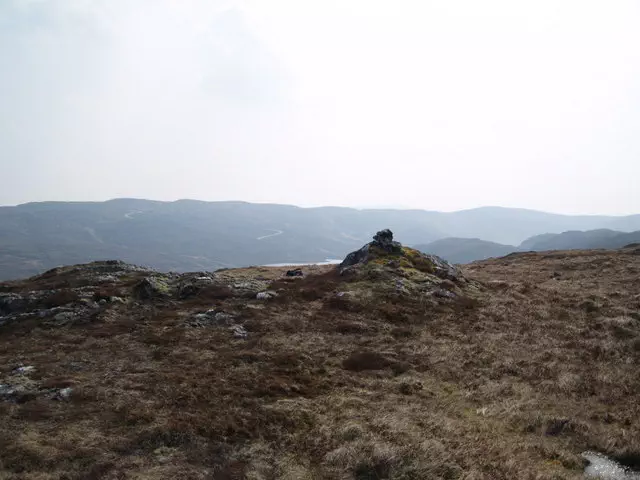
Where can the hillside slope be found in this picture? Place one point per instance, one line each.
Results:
(577, 240)
(186, 235)
(191, 235)
(400, 368)
(465, 250)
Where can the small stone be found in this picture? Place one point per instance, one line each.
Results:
(106, 279)
(64, 317)
(11, 303)
(266, 295)
(442, 293)
(238, 331)
(6, 390)
(65, 393)
(25, 369)
(150, 287)
(210, 318)
(296, 272)
(201, 281)
(223, 317)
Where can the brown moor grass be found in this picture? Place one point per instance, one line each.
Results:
(511, 385)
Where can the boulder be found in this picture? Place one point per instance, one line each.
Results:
(11, 303)
(382, 241)
(296, 272)
(238, 331)
(266, 295)
(150, 287)
(187, 290)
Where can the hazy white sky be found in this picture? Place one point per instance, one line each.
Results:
(439, 105)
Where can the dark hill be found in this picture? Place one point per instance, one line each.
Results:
(192, 235)
(577, 240)
(465, 250)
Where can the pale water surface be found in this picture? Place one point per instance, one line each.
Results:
(328, 261)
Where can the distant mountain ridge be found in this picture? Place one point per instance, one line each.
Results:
(574, 240)
(194, 235)
(466, 250)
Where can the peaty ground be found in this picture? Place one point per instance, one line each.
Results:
(530, 361)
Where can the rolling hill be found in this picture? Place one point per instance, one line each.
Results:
(193, 235)
(465, 250)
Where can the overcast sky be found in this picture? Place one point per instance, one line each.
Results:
(440, 105)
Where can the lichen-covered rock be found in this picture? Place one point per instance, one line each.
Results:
(384, 250)
(151, 287)
(211, 318)
(384, 268)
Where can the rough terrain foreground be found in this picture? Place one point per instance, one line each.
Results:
(392, 366)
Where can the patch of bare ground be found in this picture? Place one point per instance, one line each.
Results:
(340, 378)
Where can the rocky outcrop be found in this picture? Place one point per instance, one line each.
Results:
(386, 267)
(151, 287)
(382, 241)
(384, 249)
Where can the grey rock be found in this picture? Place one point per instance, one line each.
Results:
(266, 295)
(211, 318)
(64, 317)
(442, 293)
(64, 394)
(11, 303)
(223, 318)
(238, 331)
(24, 369)
(384, 239)
(89, 303)
(106, 279)
(359, 256)
(6, 391)
(202, 281)
(151, 287)
(444, 269)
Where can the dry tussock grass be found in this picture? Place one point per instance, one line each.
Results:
(512, 384)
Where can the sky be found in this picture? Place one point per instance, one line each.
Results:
(441, 105)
